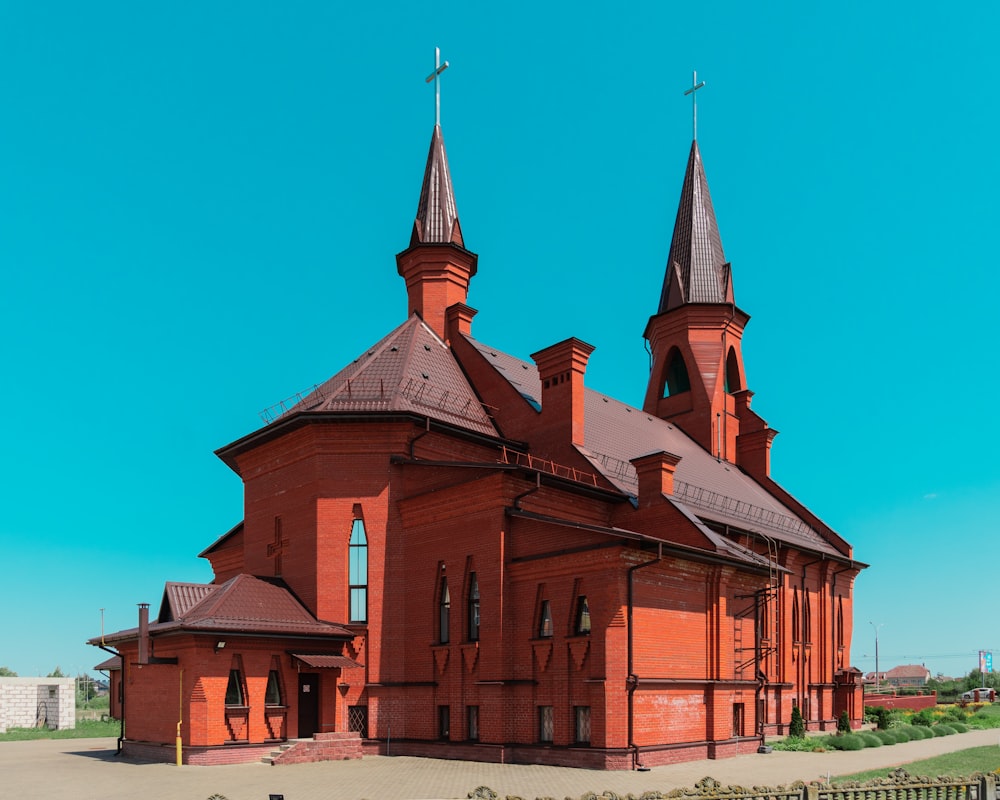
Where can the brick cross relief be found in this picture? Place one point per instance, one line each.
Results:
(277, 548)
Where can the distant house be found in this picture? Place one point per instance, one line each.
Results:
(908, 675)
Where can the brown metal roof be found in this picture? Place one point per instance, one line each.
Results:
(712, 490)
(179, 598)
(236, 529)
(327, 662)
(113, 663)
(242, 605)
(697, 271)
(437, 213)
(410, 370)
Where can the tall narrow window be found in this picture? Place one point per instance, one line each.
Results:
(733, 382)
(473, 608)
(359, 572)
(582, 720)
(796, 630)
(235, 694)
(738, 711)
(272, 694)
(582, 623)
(444, 722)
(472, 713)
(545, 621)
(545, 724)
(806, 618)
(444, 612)
(840, 622)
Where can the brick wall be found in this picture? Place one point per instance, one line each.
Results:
(30, 702)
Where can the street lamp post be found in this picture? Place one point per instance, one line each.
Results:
(878, 682)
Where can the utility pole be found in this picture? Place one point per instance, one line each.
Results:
(878, 679)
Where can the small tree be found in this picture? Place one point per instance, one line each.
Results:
(7, 673)
(843, 723)
(797, 727)
(57, 673)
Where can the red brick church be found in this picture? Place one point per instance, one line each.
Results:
(450, 551)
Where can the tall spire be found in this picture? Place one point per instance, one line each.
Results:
(697, 271)
(437, 214)
(436, 266)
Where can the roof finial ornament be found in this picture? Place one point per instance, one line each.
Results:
(438, 69)
(695, 86)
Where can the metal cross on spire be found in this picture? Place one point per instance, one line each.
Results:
(695, 86)
(438, 69)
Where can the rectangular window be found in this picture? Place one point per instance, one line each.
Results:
(582, 616)
(472, 715)
(444, 722)
(545, 724)
(738, 719)
(444, 613)
(357, 720)
(582, 717)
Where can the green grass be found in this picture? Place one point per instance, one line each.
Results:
(954, 765)
(85, 729)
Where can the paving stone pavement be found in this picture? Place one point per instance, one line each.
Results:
(88, 769)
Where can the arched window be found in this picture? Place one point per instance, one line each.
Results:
(733, 381)
(582, 624)
(444, 612)
(359, 572)
(677, 380)
(545, 621)
(806, 618)
(840, 622)
(473, 608)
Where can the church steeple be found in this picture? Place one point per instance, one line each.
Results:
(697, 379)
(697, 271)
(436, 266)
(437, 213)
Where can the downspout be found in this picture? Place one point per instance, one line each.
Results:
(835, 618)
(413, 441)
(633, 679)
(121, 722)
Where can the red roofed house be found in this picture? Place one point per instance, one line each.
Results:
(472, 555)
(908, 675)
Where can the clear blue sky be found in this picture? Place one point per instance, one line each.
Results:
(200, 204)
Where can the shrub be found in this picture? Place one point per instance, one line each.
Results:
(886, 737)
(924, 718)
(797, 727)
(849, 741)
(869, 738)
(844, 722)
(943, 730)
(881, 716)
(960, 727)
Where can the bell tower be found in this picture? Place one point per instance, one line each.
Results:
(697, 380)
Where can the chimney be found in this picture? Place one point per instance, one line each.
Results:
(459, 321)
(656, 476)
(143, 633)
(561, 368)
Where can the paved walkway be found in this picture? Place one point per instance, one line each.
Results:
(87, 769)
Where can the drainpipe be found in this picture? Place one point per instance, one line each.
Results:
(121, 722)
(633, 679)
(143, 633)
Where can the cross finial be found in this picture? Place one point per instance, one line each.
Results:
(695, 86)
(438, 69)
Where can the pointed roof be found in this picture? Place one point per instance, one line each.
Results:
(244, 604)
(410, 370)
(437, 214)
(697, 271)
